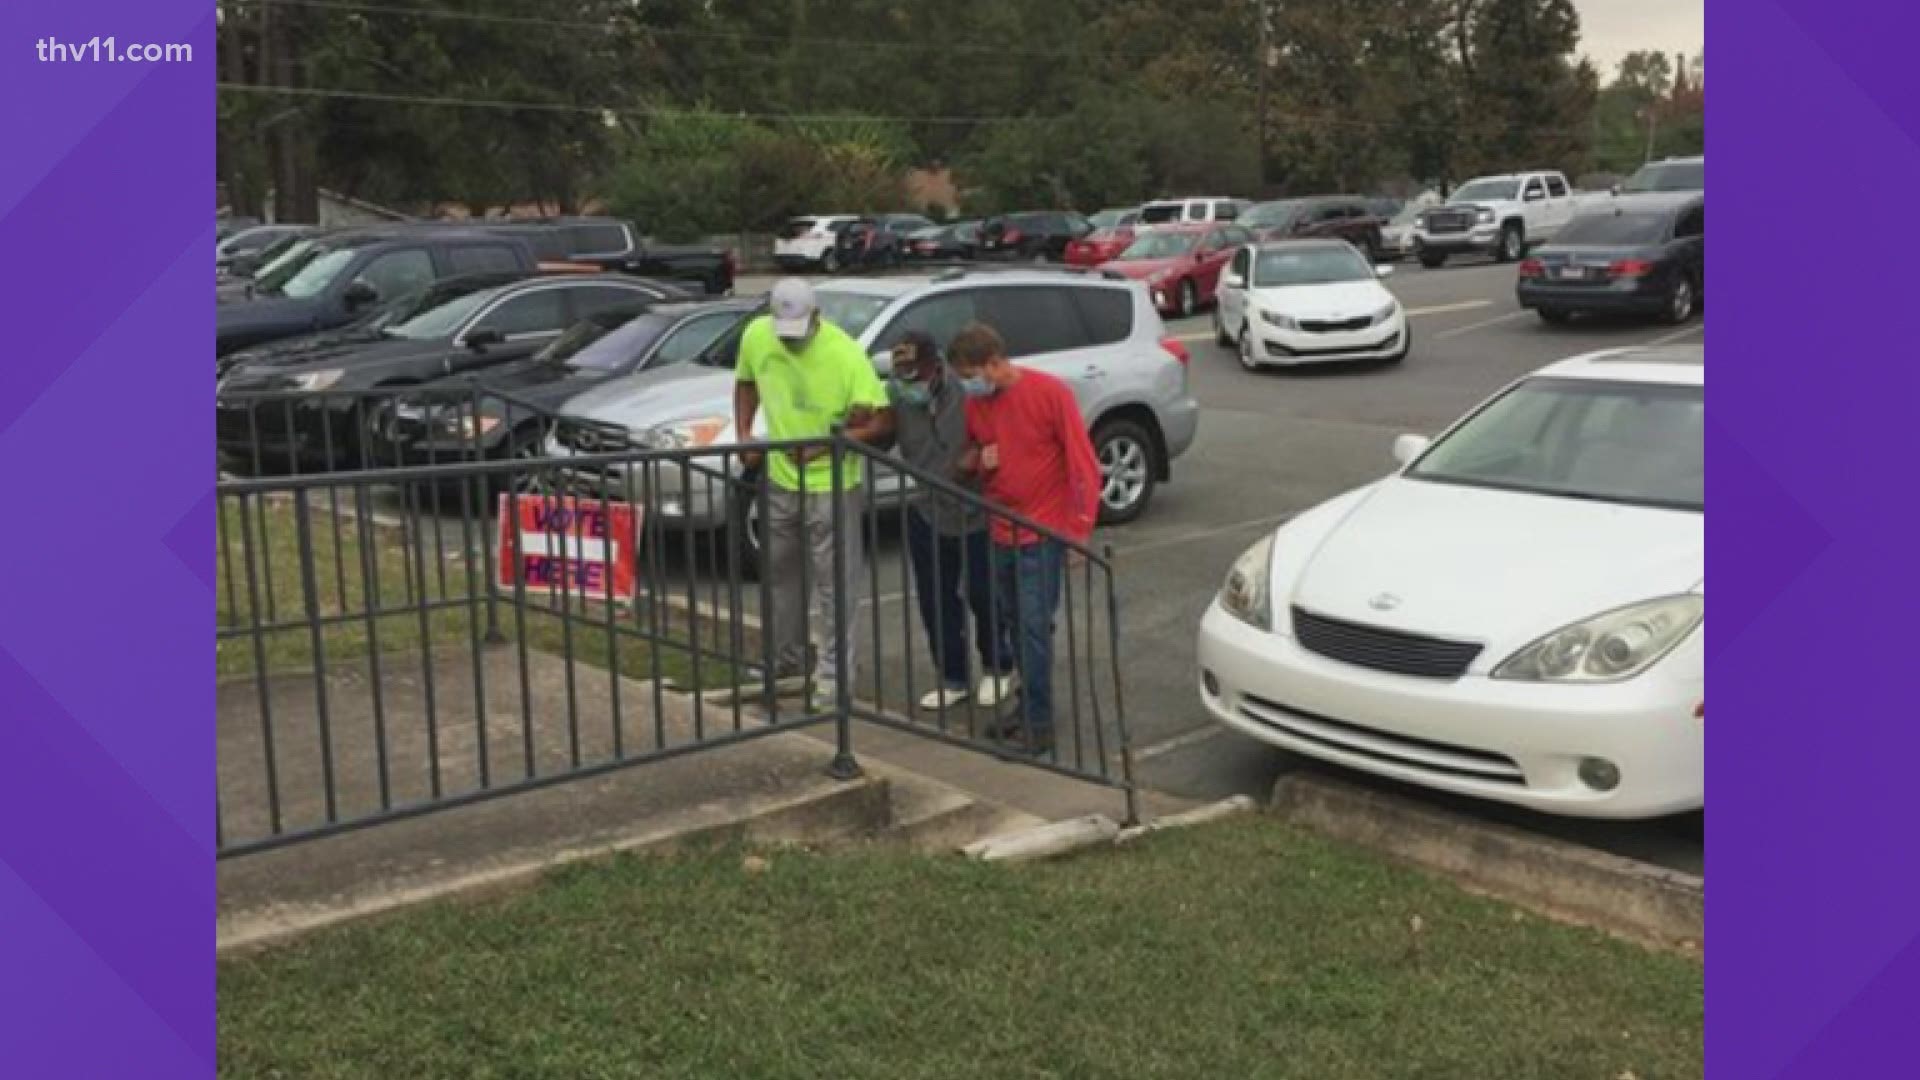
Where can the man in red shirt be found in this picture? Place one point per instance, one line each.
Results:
(1030, 446)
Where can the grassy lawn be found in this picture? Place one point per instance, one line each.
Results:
(357, 571)
(1244, 949)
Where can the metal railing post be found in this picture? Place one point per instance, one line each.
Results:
(844, 767)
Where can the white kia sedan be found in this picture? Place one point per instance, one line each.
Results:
(1307, 301)
(1515, 614)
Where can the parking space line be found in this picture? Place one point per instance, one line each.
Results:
(1203, 534)
(1482, 324)
(1412, 313)
(1178, 742)
(1685, 331)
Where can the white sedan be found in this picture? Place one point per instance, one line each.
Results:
(1307, 301)
(1516, 614)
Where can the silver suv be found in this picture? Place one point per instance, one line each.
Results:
(1098, 333)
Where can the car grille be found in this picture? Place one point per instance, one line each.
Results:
(1324, 327)
(1383, 650)
(591, 438)
(1388, 748)
(1449, 221)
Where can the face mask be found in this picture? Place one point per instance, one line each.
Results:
(912, 392)
(976, 385)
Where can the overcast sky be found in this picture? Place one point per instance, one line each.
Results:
(1610, 29)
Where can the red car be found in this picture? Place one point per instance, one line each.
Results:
(1100, 245)
(1181, 264)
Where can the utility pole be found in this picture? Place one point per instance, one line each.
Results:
(1260, 110)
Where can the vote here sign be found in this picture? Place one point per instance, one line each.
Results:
(563, 544)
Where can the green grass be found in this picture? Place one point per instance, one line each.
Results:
(401, 572)
(1244, 949)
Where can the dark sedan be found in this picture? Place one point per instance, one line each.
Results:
(957, 240)
(304, 403)
(1642, 255)
(510, 417)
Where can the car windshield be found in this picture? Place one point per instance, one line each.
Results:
(1160, 245)
(1613, 230)
(1111, 233)
(1107, 219)
(1668, 176)
(313, 276)
(611, 341)
(850, 311)
(1486, 191)
(274, 274)
(440, 316)
(1269, 215)
(1635, 443)
(1161, 213)
(1309, 266)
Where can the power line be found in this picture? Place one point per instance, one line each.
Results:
(361, 8)
(606, 110)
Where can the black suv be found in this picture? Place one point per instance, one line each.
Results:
(880, 240)
(1039, 235)
(346, 276)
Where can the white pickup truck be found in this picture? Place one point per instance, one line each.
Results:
(1500, 216)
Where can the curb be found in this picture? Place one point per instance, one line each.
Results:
(1077, 834)
(1554, 878)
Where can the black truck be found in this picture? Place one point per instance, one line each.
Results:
(612, 244)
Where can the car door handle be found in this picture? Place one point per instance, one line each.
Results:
(1095, 371)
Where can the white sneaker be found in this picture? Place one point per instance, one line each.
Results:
(944, 698)
(995, 689)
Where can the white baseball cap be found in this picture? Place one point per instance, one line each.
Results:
(793, 305)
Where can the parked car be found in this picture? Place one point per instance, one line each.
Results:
(880, 240)
(457, 327)
(253, 241)
(607, 345)
(1192, 209)
(1645, 255)
(1114, 218)
(616, 246)
(1515, 614)
(236, 269)
(345, 276)
(1099, 334)
(1317, 217)
(955, 240)
(1385, 207)
(1180, 264)
(1292, 302)
(1038, 235)
(1495, 215)
(1101, 245)
(1667, 174)
(1396, 234)
(809, 243)
(226, 225)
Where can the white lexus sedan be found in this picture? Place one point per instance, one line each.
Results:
(1290, 302)
(1515, 614)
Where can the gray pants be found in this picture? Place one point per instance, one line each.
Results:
(800, 579)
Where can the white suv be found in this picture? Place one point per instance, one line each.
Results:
(811, 242)
(1198, 208)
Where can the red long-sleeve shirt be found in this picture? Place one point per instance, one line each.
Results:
(1047, 469)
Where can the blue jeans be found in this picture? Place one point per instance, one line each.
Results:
(1027, 584)
(953, 577)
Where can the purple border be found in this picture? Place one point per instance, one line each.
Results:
(1815, 904)
(106, 700)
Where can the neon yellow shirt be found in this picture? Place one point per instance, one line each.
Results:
(805, 394)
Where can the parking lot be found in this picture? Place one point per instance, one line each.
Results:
(1275, 443)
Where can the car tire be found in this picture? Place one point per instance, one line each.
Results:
(1554, 316)
(1244, 350)
(743, 539)
(1189, 301)
(830, 262)
(1432, 261)
(1513, 243)
(1680, 301)
(1220, 335)
(1124, 447)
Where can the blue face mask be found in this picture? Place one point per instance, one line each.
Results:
(976, 385)
(912, 392)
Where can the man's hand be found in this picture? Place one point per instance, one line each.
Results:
(969, 462)
(990, 457)
(752, 459)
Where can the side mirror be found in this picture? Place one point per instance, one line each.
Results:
(480, 339)
(359, 295)
(1383, 270)
(1232, 280)
(1406, 448)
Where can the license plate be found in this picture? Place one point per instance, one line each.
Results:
(1572, 272)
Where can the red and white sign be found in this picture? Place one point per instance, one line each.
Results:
(562, 544)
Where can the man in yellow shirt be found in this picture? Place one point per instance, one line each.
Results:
(810, 377)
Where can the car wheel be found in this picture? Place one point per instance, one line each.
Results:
(1680, 300)
(1555, 316)
(1513, 244)
(830, 262)
(1189, 298)
(1126, 454)
(1246, 350)
(744, 535)
(1432, 261)
(1220, 335)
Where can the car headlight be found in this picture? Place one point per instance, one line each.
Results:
(1274, 318)
(318, 380)
(468, 426)
(1615, 645)
(1244, 595)
(1385, 313)
(1486, 216)
(684, 434)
